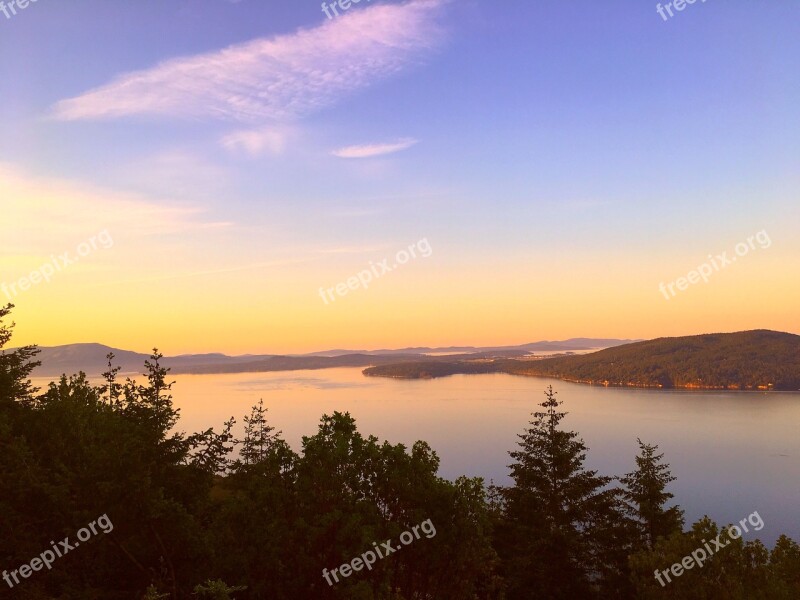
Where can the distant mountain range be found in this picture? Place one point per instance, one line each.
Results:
(570, 345)
(91, 358)
(746, 360)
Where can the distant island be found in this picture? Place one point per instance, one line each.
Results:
(747, 360)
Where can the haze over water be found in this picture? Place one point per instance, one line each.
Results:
(733, 453)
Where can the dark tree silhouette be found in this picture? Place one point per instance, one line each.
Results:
(646, 495)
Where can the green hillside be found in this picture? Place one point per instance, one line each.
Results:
(746, 360)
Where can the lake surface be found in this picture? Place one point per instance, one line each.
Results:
(733, 452)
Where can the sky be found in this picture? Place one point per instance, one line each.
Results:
(214, 175)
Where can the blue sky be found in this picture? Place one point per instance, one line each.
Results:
(590, 135)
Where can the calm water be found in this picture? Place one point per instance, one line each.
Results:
(733, 453)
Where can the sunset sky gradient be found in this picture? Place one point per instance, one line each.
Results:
(562, 159)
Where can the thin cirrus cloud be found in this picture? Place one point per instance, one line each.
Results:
(370, 150)
(273, 79)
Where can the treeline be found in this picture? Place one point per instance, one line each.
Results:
(209, 516)
(747, 360)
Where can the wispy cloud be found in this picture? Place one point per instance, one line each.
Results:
(370, 150)
(273, 79)
(48, 211)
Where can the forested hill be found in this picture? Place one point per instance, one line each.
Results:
(747, 360)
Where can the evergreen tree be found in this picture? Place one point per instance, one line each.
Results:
(258, 435)
(155, 397)
(111, 389)
(151, 407)
(562, 526)
(15, 367)
(646, 496)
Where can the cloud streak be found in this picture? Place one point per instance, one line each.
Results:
(272, 79)
(370, 150)
(43, 211)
